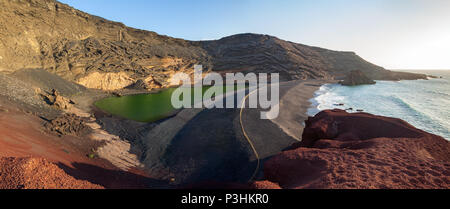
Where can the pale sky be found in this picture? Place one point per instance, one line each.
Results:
(395, 34)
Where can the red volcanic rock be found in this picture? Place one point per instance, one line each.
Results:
(342, 150)
(216, 185)
(264, 185)
(342, 126)
(237, 186)
(36, 173)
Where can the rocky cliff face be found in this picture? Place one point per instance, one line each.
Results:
(72, 44)
(342, 150)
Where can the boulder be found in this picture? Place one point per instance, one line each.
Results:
(356, 77)
(55, 99)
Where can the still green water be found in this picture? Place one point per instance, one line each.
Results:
(149, 107)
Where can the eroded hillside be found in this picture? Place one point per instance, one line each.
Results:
(107, 55)
(70, 43)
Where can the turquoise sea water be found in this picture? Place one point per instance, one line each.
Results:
(423, 103)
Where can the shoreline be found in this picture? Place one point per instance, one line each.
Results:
(295, 100)
(401, 102)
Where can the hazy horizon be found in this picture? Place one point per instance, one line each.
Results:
(403, 34)
(420, 69)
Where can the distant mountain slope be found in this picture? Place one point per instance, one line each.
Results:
(73, 44)
(267, 54)
(292, 60)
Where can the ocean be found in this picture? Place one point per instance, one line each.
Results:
(424, 104)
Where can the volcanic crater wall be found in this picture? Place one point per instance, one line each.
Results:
(72, 44)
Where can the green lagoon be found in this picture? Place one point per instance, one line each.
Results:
(151, 107)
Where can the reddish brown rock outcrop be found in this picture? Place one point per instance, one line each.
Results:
(36, 173)
(264, 185)
(360, 150)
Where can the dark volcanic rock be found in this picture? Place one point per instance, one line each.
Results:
(355, 78)
(68, 124)
(139, 85)
(55, 99)
(360, 150)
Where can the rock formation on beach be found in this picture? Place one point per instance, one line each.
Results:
(361, 151)
(356, 77)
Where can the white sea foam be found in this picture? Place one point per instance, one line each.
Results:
(424, 104)
(324, 99)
